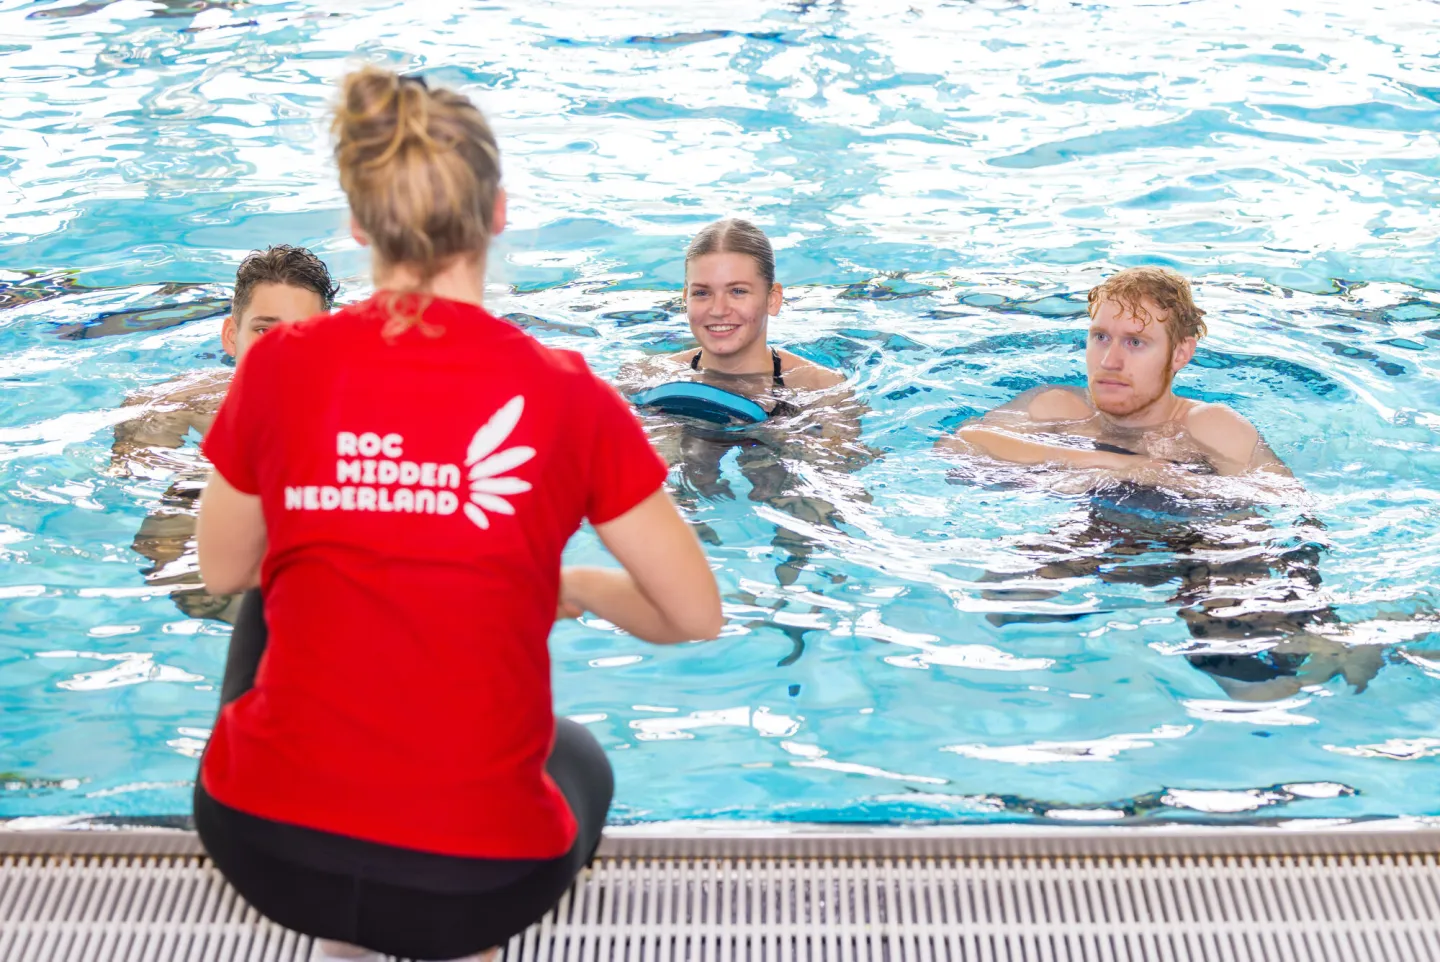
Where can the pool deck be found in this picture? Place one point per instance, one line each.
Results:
(748, 892)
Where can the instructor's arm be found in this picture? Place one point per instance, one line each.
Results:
(666, 592)
(230, 537)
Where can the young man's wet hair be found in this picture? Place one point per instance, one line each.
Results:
(282, 264)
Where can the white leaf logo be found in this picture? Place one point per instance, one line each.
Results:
(486, 464)
(501, 462)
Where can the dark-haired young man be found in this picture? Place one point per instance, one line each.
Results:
(273, 286)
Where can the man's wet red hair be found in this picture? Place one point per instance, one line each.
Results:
(1167, 289)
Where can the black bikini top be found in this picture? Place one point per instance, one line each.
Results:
(774, 358)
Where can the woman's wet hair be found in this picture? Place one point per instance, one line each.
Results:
(735, 236)
(281, 264)
(421, 170)
(1167, 289)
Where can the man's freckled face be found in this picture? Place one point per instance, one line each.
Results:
(1128, 363)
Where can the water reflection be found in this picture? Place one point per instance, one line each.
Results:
(1250, 595)
(147, 307)
(165, 9)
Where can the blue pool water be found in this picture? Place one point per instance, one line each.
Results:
(944, 181)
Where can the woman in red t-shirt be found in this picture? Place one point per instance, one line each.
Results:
(400, 478)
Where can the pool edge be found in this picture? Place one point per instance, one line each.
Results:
(728, 839)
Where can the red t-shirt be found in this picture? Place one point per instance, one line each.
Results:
(418, 492)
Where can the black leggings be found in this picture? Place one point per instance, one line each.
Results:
(395, 900)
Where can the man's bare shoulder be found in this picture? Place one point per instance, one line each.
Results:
(186, 389)
(1223, 431)
(1059, 404)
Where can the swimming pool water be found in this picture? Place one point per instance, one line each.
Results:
(943, 182)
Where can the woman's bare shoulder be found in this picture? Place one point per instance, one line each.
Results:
(806, 375)
(638, 374)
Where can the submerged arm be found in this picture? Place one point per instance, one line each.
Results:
(1015, 448)
(156, 426)
(1032, 430)
(162, 418)
(1259, 484)
(833, 420)
(635, 376)
(1023, 431)
(1243, 464)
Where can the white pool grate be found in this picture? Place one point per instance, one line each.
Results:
(1243, 909)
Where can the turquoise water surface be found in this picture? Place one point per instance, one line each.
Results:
(943, 181)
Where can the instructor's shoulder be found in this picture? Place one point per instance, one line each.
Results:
(1222, 430)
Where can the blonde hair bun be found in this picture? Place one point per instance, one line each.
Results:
(419, 166)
